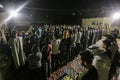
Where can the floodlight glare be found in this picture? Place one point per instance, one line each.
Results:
(13, 13)
(116, 16)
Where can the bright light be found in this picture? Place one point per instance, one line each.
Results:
(13, 13)
(116, 16)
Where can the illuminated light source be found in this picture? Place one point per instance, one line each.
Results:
(116, 16)
(13, 13)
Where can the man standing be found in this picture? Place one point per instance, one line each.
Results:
(39, 34)
(16, 46)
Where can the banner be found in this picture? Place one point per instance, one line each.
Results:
(104, 23)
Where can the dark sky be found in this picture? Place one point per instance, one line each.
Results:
(66, 4)
(63, 10)
(73, 4)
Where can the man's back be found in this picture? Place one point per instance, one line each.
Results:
(35, 60)
(92, 74)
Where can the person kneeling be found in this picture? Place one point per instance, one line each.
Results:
(86, 61)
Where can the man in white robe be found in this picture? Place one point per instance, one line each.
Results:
(101, 62)
(16, 46)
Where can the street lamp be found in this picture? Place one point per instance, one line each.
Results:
(116, 16)
(13, 13)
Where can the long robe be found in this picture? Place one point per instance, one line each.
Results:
(17, 51)
(101, 61)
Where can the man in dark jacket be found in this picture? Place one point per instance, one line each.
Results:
(35, 64)
(87, 59)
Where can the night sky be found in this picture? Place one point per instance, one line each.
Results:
(73, 4)
(65, 4)
(65, 11)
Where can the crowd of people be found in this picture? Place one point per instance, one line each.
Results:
(44, 49)
(106, 58)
